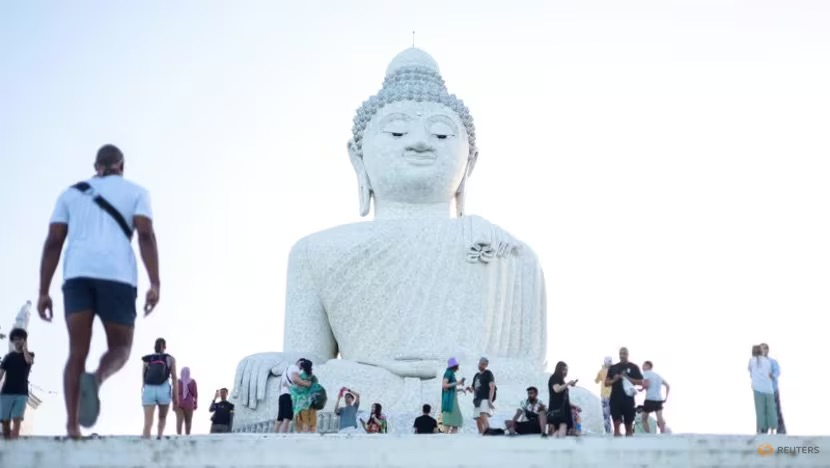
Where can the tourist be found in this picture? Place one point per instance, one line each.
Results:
(484, 395)
(285, 411)
(559, 417)
(188, 394)
(159, 371)
(760, 373)
(14, 395)
(100, 276)
(776, 372)
(377, 421)
(450, 411)
(301, 398)
(653, 383)
(222, 418)
(605, 393)
(530, 417)
(425, 424)
(348, 413)
(622, 378)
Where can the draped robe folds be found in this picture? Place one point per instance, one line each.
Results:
(416, 290)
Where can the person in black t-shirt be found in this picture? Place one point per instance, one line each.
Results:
(425, 424)
(559, 415)
(622, 377)
(14, 395)
(484, 393)
(222, 413)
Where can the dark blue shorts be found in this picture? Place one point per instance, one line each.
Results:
(113, 301)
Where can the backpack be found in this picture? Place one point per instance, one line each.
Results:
(318, 395)
(158, 369)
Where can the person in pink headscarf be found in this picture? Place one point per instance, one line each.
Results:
(188, 393)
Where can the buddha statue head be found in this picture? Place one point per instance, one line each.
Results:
(413, 142)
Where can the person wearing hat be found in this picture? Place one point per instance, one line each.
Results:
(97, 218)
(450, 386)
(14, 372)
(605, 393)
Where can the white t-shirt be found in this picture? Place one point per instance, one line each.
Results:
(286, 384)
(526, 405)
(96, 245)
(760, 369)
(654, 392)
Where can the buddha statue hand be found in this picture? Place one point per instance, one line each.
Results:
(418, 369)
(253, 372)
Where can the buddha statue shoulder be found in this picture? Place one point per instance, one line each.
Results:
(389, 300)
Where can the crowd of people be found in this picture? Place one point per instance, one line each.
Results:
(100, 279)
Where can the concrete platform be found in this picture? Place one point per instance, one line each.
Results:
(261, 450)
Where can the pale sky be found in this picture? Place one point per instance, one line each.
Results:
(667, 161)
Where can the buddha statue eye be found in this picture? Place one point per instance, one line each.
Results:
(441, 137)
(397, 134)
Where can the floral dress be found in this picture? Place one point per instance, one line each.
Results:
(376, 425)
(301, 396)
(450, 411)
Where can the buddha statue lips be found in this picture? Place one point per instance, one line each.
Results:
(396, 296)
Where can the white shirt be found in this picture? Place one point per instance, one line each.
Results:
(96, 245)
(526, 405)
(654, 392)
(286, 384)
(760, 369)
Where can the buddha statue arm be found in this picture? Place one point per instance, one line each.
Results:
(307, 327)
(307, 334)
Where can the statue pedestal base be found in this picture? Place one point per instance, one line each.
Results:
(403, 398)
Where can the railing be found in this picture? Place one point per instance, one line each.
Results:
(327, 423)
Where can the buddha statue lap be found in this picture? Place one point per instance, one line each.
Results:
(395, 297)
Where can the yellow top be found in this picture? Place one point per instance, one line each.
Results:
(604, 392)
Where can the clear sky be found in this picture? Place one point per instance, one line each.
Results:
(668, 161)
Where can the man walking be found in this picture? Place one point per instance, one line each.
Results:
(622, 378)
(100, 276)
(653, 384)
(14, 395)
(484, 394)
(776, 372)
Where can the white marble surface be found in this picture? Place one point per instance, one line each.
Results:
(397, 296)
(415, 451)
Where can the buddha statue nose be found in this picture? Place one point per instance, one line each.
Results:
(420, 147)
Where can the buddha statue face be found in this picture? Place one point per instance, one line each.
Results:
(413, 141)
(415, 152)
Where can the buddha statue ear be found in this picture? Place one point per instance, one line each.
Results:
(364, 186)
(460, 194)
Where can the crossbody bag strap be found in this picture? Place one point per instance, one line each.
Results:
(84, 187)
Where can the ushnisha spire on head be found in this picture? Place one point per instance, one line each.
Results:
(413, 75)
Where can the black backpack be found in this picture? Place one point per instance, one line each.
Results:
(158, 369)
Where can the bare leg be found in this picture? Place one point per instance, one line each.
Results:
(163, 409)
(485, 422)
(16, 423)
(7, 429)
(188, 421)
(179, 420)
(629, 429)
(149, 410)
(661, 423)
(562, 431)
(644, 419)
(79, 326)
(617, 432)
(119, 344)
(542, 424)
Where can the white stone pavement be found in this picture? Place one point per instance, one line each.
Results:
(255, 450)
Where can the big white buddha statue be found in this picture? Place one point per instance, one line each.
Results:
(379, 306)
